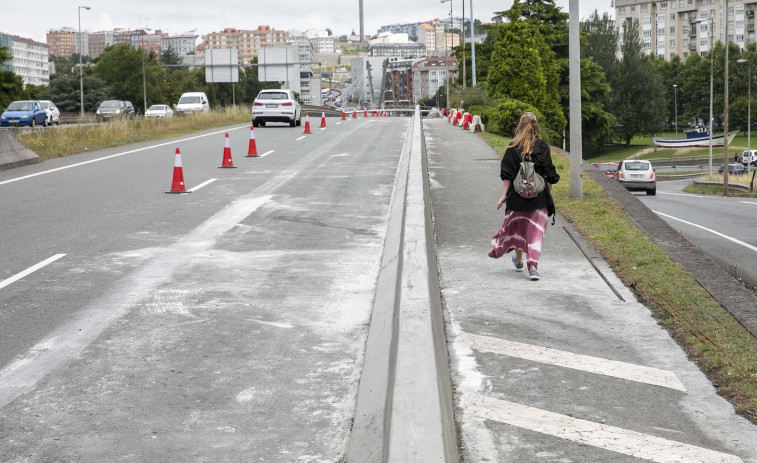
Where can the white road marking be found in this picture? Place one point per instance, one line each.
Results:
(174, 142)
(681, 194)
(298, 139)
(323, 128)
(748, 202)
(266, 153)
(729, 238)
(338, 123)
(30, 270)
(585, 432)
(202, 185)
(596, 365)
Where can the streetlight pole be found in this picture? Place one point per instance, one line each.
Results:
(574, 69)
(675, 91)
(748, 113)
(472, 45)
(725, 107)
(449, 49)
(81, 69)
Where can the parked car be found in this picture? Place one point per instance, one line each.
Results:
(749, 157)
(53, 113)
(192, 102)
(276, 106)
(734, 168)
(608, 168)
(25, 112)
(114, 109)
(637, 175)
(159, 111)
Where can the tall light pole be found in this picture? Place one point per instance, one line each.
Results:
(748, 113)
(574, 69)
(144, 80)
(449, 54)
(81, 69)
(711, 33)
(472, 45)
(462, 36)
(675, 91)
(725, 107)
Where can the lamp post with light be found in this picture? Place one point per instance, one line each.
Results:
(748, 113)
(81, 70)
(449, 54)
(675, 105)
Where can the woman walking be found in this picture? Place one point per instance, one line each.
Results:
(525, 218)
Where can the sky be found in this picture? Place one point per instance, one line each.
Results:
(33, 19)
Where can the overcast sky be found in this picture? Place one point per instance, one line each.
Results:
(32, 19)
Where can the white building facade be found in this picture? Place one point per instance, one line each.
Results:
(29, 59)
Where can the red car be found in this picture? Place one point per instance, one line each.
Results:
(608, 168)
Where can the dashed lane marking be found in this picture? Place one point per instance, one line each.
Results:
(599, 435)
(29, 271)
(266, 153)
(174, 142)
(729, 238)
(202, 185)
(298, 139)
(680, 194)
(596, 365)
(748, 202)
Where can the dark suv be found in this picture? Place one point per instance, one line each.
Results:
(114, 108)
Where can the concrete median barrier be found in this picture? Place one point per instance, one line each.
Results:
(13, 153)
(404, 409)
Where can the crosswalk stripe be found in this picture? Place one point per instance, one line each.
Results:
(600, 366)
(599, 435)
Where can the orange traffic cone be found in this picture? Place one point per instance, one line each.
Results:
(344, 116)
(323, 119)
(365, 112)
(177, 186)
(354, 113)
(227, 154)
(252, 151)
(307, 123)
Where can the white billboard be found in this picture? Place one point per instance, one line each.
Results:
(222, 65)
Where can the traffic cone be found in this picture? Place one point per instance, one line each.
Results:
(323, 119)
(252, 151)
(227, 154)
(177, 186)
(307, 123)
(365, 112)
(374, 113)
(344, 116)
(354, 113)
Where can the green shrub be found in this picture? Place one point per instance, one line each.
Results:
(486, 113)
(468, 97)
(504, 120)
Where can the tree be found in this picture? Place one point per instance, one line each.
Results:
(638, 103)
(64, 90)
(600, 42)
(170, 57)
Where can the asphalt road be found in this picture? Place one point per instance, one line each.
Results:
(223, 325)
(724, 228)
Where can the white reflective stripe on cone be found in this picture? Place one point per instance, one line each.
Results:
(177, 160)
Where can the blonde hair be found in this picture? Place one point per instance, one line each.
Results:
(526, 134)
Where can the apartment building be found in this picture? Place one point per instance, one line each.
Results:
(683, 27)
(99, 41)
(432, 73)
(29, 59)
(411, 29)
(398, 50)
(61, 43)
(427, 36)
(248, 42)
(181, 44)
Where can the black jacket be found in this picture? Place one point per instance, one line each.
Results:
(542, 164)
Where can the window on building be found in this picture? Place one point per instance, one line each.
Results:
(685, 43)
(643, 8)
(730, 25)
(647, 20)
(673, 30)
(672, 17)
(689, 2)
(702, 42)
(672, 43)
(730, 11)
(739, 38)
(685, 55)
(664, 5)
(739, 10)
(622, 10)
(703, 28)
(703, 14)
(633, 8)
(685, 29)
(739, 25)
(702, 54)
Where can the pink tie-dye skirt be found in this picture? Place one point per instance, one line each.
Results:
(523, 230)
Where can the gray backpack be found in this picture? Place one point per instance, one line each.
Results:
(528, 184)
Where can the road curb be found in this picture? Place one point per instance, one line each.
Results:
(404, 409)
(736, 299)
(13, 153)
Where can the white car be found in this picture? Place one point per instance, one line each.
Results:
(749, 157)
(159, 111)
(637, 175)
(53, 113)
(276, 106)
(192, 102)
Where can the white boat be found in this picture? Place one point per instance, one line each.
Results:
(701, 141)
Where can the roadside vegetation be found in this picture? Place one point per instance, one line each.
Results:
(722, 348)
(55, 143)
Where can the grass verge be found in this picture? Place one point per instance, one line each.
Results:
(674, 296)
(56, 143)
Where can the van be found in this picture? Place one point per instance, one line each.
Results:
(749, 157)
(192, 102)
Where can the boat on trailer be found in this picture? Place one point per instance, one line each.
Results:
(697, 138)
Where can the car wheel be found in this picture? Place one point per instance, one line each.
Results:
(33, 122)
(262, 123)
(255, 123)
(299, 122)
(292, 123)
(652, 192)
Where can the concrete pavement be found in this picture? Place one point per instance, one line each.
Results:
(563, 369)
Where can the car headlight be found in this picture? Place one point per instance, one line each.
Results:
(25, 117)
(98, 111)
(118, 111)
(3, 117)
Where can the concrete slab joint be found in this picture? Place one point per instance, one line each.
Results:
(404, 400)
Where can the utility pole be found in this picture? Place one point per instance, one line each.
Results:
(370, 82)
(362, 30)
(462, 36)
(472, 46)
(574, 69)
(725, 109)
